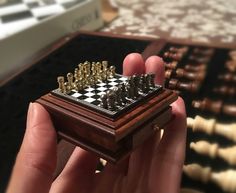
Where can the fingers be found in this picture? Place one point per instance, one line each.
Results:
(169, 158)
(140, 159)
(36, 160)
(78, 173)
(155, 64)
(133, 64)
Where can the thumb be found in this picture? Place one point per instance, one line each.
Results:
(36, 160)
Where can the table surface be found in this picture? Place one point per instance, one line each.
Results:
(211, 21)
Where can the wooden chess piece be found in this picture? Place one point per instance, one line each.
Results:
(226, 180)
(210, 126)
(213, 150)
(197, 59)
(232, 54)
(184, 86)
(225, 90)
(173, 56)
(171, 65)
(207, 52)
(181, 50)
(181, 73)
(195, 68)
(215, 106)
(231, 65)
(227, 77)
(197, 172)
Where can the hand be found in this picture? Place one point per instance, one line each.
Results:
(155, 167)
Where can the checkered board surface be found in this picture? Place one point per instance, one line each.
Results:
(16, 15)
(90, 96)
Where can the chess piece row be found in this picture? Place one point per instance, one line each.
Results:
(226, 180)
(215, 106)
(87, 74)
(211, 126)
(130, 90)
(213, 150)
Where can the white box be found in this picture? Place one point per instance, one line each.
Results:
(17, 49)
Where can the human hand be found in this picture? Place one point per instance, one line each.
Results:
(155, 166)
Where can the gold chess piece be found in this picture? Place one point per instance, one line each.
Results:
(70, 80)
(112, 72)
(61, 86)
(213, 150)
(76, 74)
(210, 126)
(226, 180)
(78, 85)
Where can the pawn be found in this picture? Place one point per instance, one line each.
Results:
(232, 54)
(225, 90)
(215, 106)
(61, 86)
(226, 180)
(111, 100)
(136, 85)
(231, 65)
(67, 88)
(104, 65)
(227, 77)
(213, 150)
(174, 56)
(181, 73)
(112, 72)
(210, 126)
(183, 86)
(196, 68)
(147, 82)
(142, 84)
(70, 80)
(117, 92)
(78, 85)
(179, 50)
(151, 80)
(123, 93)
(197, 172)
(103, 102)
(171, 65)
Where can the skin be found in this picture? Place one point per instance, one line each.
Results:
(154, 167)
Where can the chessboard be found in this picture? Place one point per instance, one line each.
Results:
(105, 112)
(16, 15)
(93, 96)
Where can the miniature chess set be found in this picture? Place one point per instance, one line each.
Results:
(202, 74)
(107, 113)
